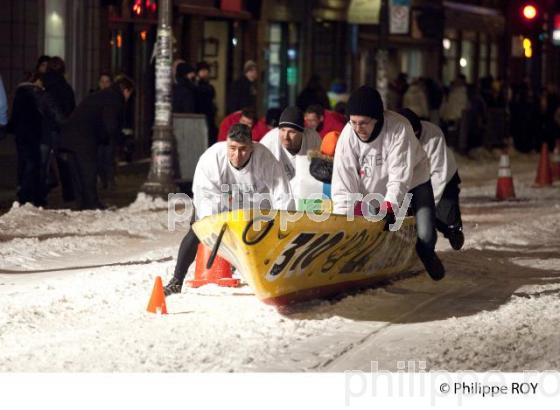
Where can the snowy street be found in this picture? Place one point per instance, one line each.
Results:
(74, 288)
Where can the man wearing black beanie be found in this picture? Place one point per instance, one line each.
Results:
(185, 90)
(291, 139)
(444, 176)
(377, 152)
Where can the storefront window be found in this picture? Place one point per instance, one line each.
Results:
(494, 59)
(282, 56)
(412, 63)
(466, 62)
(449, 55)
(482, 56)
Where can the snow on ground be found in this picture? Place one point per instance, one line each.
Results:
(75, 286)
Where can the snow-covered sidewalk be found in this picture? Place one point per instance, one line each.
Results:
(74, 288)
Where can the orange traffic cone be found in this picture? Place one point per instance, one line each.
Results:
(219, 273)
(504, 187)
(157, 300)
(556, 162)
(544, 171)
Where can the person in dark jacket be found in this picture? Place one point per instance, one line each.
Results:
(313, 94)
(97, 120)
(105, 152)
(62, 93)
(243, 91)
(34, 116)
(57, 86)
(205, 100)
(25, 124)
(184, 92)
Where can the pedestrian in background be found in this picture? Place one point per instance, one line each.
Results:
(3, 108)
(205, 99)
(313, 94)
(185, 91)
(243, 91)
(96, 121)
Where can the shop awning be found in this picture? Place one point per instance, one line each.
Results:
(476, 18)
(364, 11)
(200, 8)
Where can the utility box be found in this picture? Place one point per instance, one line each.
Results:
(191, 138)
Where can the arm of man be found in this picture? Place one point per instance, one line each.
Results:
(346, 178)
(281, 192)
(112, 122)
(207, 193)
(436, 150)
(400, 163)
(49, 109)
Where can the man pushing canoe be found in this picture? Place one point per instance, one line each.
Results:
(225, 172)
(377, 152)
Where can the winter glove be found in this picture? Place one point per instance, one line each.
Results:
(321, 167)
(389, 217)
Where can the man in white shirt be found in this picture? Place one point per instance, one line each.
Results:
(444, 176)
(291, 139)
(224, 173)
(378, 153)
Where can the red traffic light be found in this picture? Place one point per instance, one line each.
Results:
(529, 12)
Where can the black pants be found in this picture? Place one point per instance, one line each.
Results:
(448, 212)
(186, 255)
(424, 209)
(64, 175)
(106, 164)
(83, 171)
(29, 174)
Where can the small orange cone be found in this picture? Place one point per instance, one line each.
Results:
(504, 187)
(544, 171)
(219, 273)
(157, 300)
(556, 162)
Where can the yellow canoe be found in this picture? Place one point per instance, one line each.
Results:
(305, 259)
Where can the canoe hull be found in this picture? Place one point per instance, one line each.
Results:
(303, 258)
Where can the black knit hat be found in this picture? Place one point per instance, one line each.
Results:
(291, 117)
(183, 69)
(365, 101)
(413, 119)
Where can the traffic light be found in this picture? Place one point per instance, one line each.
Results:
(526, 17)
(527, 48)
(529, 12)
(530, 16)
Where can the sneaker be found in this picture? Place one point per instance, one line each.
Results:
(174, 286)
(456, 238)
(433, 265)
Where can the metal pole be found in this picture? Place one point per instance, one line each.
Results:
(160, 178)
(382, 54)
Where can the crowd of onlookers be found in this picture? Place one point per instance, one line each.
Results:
(59, 143)
(485, 114)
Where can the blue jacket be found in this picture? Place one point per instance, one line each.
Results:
(3, 105)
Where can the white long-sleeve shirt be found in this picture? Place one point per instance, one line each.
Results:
(442, 161)
(390, 165)
(219, 187)
(310, 141)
